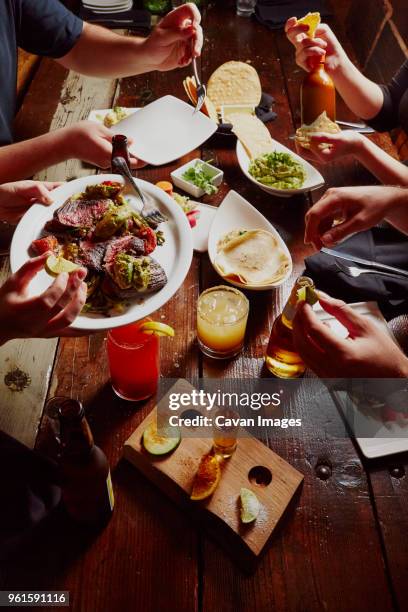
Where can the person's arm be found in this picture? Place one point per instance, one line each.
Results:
(383, 166)
(359, 208)
(364, 97)
(368, 352)
(16, 198)
(101, 53)
(86, 140)
(47, 315)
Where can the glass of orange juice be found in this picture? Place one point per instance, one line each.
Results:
(134, 361)
(222, 314)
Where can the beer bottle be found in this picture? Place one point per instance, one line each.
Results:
(85, 475)
(281, 357)
(120, 149)
(317, 94)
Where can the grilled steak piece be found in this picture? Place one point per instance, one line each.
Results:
(91, 254)
(79, 214)
(127, 244)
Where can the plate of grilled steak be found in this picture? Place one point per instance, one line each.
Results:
(134, 264)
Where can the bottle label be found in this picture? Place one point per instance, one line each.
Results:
(110, 491)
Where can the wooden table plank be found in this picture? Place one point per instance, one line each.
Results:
(327, 509)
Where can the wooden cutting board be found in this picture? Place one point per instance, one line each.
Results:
(252, 465)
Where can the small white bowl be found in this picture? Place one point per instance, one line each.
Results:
(233, 213)
(177, 177)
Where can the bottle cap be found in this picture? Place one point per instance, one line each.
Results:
(70, 409)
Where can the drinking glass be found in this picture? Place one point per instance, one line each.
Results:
(245, 8)
(222, 314)
(134, 362)
(224, 434)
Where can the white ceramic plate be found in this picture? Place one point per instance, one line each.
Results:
(165, 130)
(314, 179)
(234, 213)
(389, 437)
(175, 255)
(202, 230)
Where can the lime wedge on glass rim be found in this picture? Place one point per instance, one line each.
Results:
(249, 505)
(155, 327)
(307, 294)
(55, 265)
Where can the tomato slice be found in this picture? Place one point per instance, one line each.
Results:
(42, 245)
(149, 237)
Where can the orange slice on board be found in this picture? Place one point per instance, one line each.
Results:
(207, 477)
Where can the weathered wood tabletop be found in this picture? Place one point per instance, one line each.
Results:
(343, 545)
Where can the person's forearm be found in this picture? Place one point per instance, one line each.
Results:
(398, 213)
(102, 53)
(364, 97)
(385, 168)
(23, 159)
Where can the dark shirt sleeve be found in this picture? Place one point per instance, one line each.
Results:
(388, 117)
(46, 27)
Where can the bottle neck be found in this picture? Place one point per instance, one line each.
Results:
(289, 311)
(120, 147)
(76, 436)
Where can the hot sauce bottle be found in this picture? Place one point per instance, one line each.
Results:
(281, 357)
(85, 475)
(317, 94)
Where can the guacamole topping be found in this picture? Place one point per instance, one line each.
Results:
(278, 170)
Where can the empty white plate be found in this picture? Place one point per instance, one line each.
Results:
(236, 213)
(165, 130)
(314, 179)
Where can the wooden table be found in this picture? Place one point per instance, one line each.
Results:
(343, 546)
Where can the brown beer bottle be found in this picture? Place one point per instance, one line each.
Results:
(120, 149)
(281, 357)
(85, 475)
(317, 94)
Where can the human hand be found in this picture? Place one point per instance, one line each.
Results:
(346, 142)
(16, 198)
(176, 39)
(359, 208)
(367, 352)
(91, 142)
(47, 315)
(309, 51)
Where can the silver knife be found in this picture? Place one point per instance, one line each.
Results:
(364, 262)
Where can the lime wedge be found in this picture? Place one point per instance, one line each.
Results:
(56, 265)
(249, 505)
(160, 329)
(308, 294)
(312, 20)
(160, 443)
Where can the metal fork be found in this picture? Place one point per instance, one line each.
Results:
(152, 215)
(355, 272)
(201, 90)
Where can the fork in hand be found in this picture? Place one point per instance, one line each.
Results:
(201, 90)
(152, 215)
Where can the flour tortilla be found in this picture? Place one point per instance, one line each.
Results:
(323, 124)
(253, 257)
(234, 83)
(252, 133)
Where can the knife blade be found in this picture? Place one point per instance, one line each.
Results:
(364, 262)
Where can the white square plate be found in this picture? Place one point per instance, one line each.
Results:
(165, 130)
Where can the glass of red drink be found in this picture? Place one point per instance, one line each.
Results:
(134, 361)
